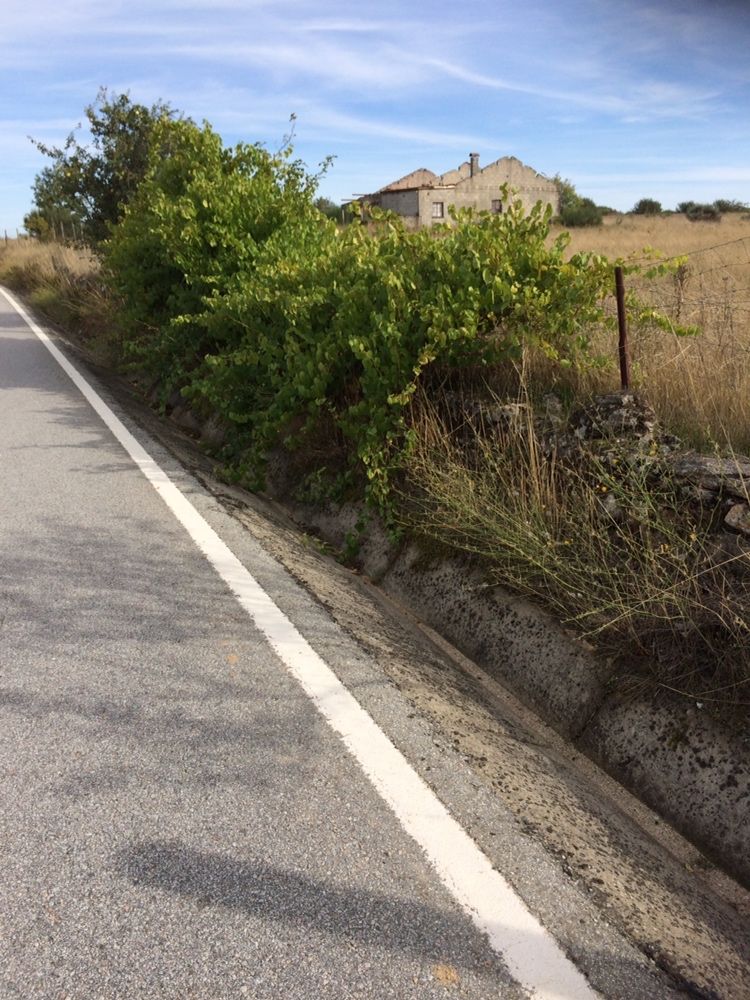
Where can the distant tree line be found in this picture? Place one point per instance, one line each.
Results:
(575, 210)
(343, 214)
(694, 210)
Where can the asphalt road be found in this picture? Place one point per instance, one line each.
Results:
(178, 819)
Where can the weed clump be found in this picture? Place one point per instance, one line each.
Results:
(601, 536)
(64, 284)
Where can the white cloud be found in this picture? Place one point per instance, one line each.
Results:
(639, 101)
(336, 123)
(331, 63)
(351, 26)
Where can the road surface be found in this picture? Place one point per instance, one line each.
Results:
(193, 803)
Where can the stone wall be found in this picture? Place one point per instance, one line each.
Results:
(405, 203)
(483, 188)
(415, 195)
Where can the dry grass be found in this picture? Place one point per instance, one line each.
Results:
(699, 386)
(603, 547)
(63, 284)
(34, 262)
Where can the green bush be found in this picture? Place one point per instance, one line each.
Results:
(582, 213)
(205, 219)
(574, 210)
(237, 289)
(726, 205)
(647, 206)
(703, 213)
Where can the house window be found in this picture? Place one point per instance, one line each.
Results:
(438, 209)
(497, 206)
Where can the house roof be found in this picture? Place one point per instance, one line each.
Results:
(416, 179)
(424, 178)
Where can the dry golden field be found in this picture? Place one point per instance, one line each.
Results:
(62, 283)
(45, 262)
(700, 385)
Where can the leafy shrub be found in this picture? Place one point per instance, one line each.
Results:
(703, 213)
(584, 213)
(726, 205)
(647, 206)
(236, 288)
(204, 220)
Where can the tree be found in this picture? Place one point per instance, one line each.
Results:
(647, 206)
(567, 195)
(329, 208)
(88, 186)
(730, 205)
(54, 221)
(575, 210)
(703, 213)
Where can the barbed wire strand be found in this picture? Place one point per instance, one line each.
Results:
(690, 253)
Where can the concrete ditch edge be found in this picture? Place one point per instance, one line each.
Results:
(683, 762)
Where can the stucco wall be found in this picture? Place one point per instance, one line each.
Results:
(481, 190)
(454, 176)
(426, 200)
(403, 202)
(531, 186)
(414, 195)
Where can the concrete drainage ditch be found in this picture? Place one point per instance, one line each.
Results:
(690, 767)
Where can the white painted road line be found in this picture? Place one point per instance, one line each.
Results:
(532, 955)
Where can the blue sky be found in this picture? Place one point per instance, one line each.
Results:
(642, 98)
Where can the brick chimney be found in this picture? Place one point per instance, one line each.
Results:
(473, 164)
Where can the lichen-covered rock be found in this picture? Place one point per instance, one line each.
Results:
(713, 475)
(615, 415)
(184, 417)
(738, 518)
(552, 419)
(729, 553)
(485, 417)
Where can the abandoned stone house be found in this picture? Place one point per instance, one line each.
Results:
(423, 198)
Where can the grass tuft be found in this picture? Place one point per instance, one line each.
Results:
(604, 547)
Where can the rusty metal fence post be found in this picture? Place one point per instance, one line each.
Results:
(622, 325)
